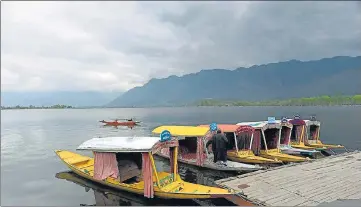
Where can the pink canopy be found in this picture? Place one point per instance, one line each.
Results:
(105, 165)
(147, 175)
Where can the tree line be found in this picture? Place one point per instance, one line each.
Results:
(308, 101)
(57, 106)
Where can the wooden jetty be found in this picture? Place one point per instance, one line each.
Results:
(306, 184)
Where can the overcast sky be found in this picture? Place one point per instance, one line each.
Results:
(119, 45)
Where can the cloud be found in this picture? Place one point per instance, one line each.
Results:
(120, 45)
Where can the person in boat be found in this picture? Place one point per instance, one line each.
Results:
(213, 149)
(219, 147)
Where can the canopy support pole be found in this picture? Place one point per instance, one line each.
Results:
(264, 140)
(302, 139)
(154, 169)
(250, 146)
(235, 141)
(279, 139)
(318, 133)
(175, 159)
(289, 136)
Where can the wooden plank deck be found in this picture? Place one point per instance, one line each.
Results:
(305, 184)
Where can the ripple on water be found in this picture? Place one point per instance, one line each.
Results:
(35, 186)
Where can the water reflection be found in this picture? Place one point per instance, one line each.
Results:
(105, 196)
(117, 127)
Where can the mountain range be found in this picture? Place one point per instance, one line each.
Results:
(273, 81)
(290, 79)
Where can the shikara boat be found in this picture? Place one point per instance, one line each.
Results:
(299, 135)
(285, 141)
(313, 135)
(127, 122)
(298, 132)
(240, 144)
(266, 138)
(135, 170)
(193, 151)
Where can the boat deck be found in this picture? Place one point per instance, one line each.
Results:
(305, 184)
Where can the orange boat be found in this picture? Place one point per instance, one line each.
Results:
(128, 122)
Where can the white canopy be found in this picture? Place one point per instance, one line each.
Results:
(287, 124)
(260, 125)
(310, 122)
(120, 144)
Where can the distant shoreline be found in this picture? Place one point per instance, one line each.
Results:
(58, 106)
(309, 101)
(180, 107)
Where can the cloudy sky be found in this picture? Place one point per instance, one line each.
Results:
(118, 45)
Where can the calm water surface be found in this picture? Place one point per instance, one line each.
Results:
(31, 173)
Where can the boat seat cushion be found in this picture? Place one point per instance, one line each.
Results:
(128, 169)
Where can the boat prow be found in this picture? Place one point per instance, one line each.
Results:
(234, 166)
(281, 156)
(296, 151)
(250, 158)
(320, 145)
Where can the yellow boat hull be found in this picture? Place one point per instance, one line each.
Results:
(319, 144)
(84, 167)
(249, 157)
(301, 146)
(276, 154)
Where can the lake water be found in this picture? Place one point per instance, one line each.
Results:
(31, 173)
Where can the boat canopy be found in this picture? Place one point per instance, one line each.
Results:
(286, 124)
(120, 144)
(297, 122)
(186, 131)
(224, 127)
(310, 122)
(313, 131)
(192, 141)
(263, 125)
